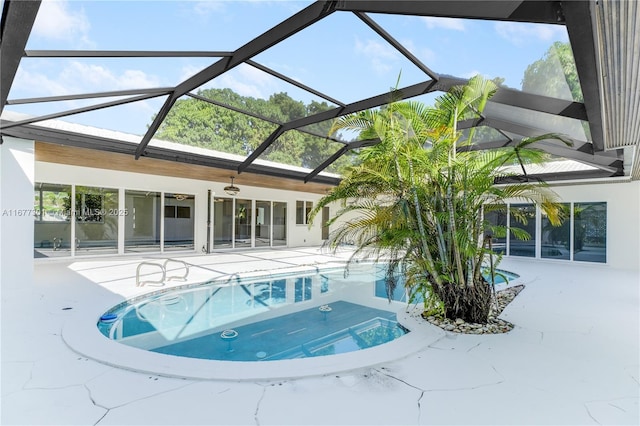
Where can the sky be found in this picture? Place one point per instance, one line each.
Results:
(339, 56)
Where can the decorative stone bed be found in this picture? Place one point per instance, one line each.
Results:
(495, 324)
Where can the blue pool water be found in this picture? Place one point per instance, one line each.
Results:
(399, 293)
(264, 319)
(347, 327)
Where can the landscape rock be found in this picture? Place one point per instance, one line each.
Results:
(495, 325)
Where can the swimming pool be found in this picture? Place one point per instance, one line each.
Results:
(297, 315)
(305, 314)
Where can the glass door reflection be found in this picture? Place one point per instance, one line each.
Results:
(179, 211)
(263, 223)
(242, 235)
(222, 223)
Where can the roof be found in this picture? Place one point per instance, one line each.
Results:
(600, 123)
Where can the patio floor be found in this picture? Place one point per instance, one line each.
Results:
(573, 357)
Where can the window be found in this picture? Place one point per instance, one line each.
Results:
(303, 208)
(590, 232)
(522, 224)
(177, 212)
(89, 205)
(183, 212)
(52, 203)
(582, 236)
(169, 211)
(96, 225)
(495, 216)
(555, 242)
(302, 289)
(52, 226)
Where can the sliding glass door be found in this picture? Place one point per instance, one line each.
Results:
(263, 224)
(142, 221)
(522, 217)
(179, 212)
(590, 232)
(222, 223)
(279, 223)
(555, 241)
(242, 228)
(96, 226)
(239, 223)
(52, 228)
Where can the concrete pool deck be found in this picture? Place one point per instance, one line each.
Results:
(573, 357)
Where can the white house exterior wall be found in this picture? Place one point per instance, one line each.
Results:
(16, 212)
(623, 217)
(297, 235)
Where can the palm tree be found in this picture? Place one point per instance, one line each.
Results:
(417, 198)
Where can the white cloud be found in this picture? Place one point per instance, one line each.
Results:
(57, 21)
(519, 33)
(27, 81)
(380, 55)
(206, 8)
(425, 54)
(246, 81)
(189, 71)
(433, 22)
(99, 77)
(78, 78)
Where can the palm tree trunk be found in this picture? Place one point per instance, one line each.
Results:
(423, 234)
(452, 230)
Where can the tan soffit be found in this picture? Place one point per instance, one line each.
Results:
(53, 153)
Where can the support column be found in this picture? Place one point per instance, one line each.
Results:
(17, 178)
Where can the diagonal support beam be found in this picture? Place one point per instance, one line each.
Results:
(611, 162)
(15, 27)
(293, 82)
(159, 91)
(528, 131)
(376, 101)
(517, 98)
(258, 116)
(398, 46)
(301, 20)
(263, 146)
(503, 95)
(339, 153)
(80, 110)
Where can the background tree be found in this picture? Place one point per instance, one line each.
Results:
(202, 124)
(556, 75)
(552, 74)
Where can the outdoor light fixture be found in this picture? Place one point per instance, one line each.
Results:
(231, 189)
(181, 197)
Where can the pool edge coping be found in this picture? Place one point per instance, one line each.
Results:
(81, 334)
